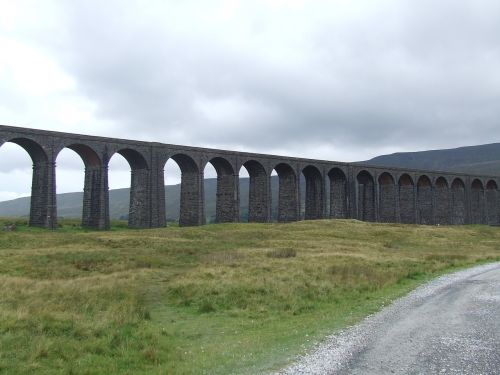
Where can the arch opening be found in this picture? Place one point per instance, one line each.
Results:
(491, 185)
(134, 158)
(191, 210)
(338, 193)
(94, 208)
(210, 200)
(172, 181)
(119, 188)
(226, 191)
(16, 178)
(35, 151)
(314, 193)
(424, 200)
(442, 200)
(407, 199)
(387, 198)
(88, 155)
(139, 195)
(43, 211)
(70, 176)
(365, 196)
(244, 186)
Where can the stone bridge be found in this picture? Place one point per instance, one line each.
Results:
(356, 190)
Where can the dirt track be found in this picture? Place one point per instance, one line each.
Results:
(448, 326)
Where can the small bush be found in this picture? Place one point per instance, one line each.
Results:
(85, 265)
(224, 257)
(282, 253)
(151, 354)
(206, 307)
(143, 313)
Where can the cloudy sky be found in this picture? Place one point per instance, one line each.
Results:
(335, 79)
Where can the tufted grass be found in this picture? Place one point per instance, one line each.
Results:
(218, 299)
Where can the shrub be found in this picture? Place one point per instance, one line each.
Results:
(206, 307)
(282, 253)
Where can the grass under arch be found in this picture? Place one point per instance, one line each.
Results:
(217, 299)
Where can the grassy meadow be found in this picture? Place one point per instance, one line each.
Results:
(217, 299)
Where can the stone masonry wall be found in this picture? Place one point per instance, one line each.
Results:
(424, 202)
(492, 204)
(407, 203)
(314, 194)
(458, 205)
(442, 212)
(356, 191)
(338, 196)
(387, 202)
(259, 200)
(477, 205)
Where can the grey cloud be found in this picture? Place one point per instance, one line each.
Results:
(416, 74)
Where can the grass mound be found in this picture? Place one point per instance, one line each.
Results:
(232, 298)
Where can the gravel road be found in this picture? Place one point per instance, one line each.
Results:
(448, 326)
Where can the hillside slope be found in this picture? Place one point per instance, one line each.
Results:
(482, 159)
(69, 205)
(217, 299)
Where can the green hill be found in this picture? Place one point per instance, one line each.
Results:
(482, 159)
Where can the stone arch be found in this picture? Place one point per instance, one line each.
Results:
(134, 158)
(406, 199)
(458, 202)
(185, 162)
(88, 155)
(227, 204)
(477, 199)
(95, 212)
(492, 204)
(442, 201)
(288, 193)
(34, 149)
(43, 211)
(387, 198)
(191, 197)
(338, 193)
(139, 206)
(259, 195)
(366, 196)
(491, 185)
(424, 200)
(314, 193)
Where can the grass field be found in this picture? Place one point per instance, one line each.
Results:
(217, 299)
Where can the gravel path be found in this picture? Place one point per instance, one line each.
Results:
(448, 326)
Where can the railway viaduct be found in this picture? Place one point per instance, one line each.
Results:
(356, 190)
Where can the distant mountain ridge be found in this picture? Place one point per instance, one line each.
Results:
(69, 205)
(482, 159)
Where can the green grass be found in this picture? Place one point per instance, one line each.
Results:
(217, 299)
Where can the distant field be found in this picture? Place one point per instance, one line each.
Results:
(217, 299)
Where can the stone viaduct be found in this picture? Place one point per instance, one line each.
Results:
(357, 191)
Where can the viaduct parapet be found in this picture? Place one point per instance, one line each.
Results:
(364, 192)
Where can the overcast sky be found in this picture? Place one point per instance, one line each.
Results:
(336, 79)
